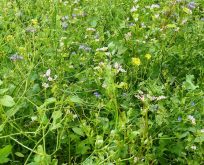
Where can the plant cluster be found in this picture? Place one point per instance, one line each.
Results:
(101, 82)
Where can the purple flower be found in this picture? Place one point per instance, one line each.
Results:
(97, 94)
(192, 5)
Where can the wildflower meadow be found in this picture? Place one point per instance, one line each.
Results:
(102, 82)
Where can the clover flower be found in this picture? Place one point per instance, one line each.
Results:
(136, 61)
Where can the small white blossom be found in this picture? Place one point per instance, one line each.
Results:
(91, 29)
(134, 8)
(202, 130)
(45, 85)
(50, 78)
(103, 49)
(193, 147)
(48, 72)
(192, 119)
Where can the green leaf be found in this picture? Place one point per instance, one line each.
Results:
(188, 84)
(12, 111)
(4, 153)
(56, 115)
(75, 99)
(48, 102)
(187, 11)
(1, 82)
(4, 90)
(19, 154)
(7, 101)
(78, 131)
(199, 139)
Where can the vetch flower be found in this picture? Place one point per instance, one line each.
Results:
(136, 61)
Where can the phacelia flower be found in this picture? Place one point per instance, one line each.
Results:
(191, 5)
(136, 61)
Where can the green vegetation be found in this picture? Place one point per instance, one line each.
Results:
(97, 82)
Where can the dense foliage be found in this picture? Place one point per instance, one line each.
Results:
(101, 82)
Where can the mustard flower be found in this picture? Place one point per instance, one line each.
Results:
(148, 56)
(136, 61)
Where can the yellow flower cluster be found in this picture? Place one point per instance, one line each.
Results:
(34, 21)
(148, 56)
(136, 61)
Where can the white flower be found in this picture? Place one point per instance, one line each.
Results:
(48, 72)
(45, 85)
(192, 119)
(119, 68)
(34, 118)
(202, 130)
(91, 29)
(193, 147)
(154, 6)
(134, 8)
(50, 79)
(103, 49)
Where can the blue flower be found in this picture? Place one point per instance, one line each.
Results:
(97, 94)
(179, 118)
(192, 5)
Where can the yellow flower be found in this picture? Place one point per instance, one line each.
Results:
(9, 38)
(136, 61)
(34, 21)
(148, 56)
